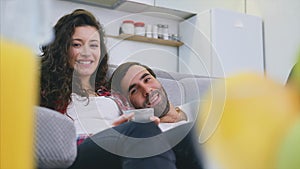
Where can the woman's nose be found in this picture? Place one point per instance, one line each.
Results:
(85, 51)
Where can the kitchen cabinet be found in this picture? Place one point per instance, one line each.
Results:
(220, 43)
(179, 5)
(198, 6)
(146, 7)
(156, 11)
(146, 2)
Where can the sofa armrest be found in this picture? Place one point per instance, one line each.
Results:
(55, 139)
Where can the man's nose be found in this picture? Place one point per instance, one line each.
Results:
(146, 89)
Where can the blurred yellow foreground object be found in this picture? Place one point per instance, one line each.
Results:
(257, 117)
(289, 153)
(18, 96)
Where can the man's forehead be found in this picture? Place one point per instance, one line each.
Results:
(133, 73)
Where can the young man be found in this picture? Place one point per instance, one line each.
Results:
(139, 85)
(142, 145)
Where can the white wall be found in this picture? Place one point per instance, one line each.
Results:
(164, 57)
(282, 34)
(281, 27)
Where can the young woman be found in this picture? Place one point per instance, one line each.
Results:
(75, 62)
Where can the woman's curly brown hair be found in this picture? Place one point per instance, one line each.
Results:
(57, 78)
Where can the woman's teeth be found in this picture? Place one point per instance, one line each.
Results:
(84, 62)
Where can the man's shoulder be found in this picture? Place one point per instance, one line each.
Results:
(194, 103)
(190, 108)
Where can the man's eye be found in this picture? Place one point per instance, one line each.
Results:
(147, 79)
(133, 91)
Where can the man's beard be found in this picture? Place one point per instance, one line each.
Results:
(163, 107)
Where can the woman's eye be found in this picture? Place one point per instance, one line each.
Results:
(76, 45)
(94, 45)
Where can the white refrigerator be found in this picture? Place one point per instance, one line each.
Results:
(220, 43)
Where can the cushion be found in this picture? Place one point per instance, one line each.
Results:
(55, 138)
(195, 88)
(174, 91)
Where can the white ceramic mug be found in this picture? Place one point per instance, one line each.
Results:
(141, 115)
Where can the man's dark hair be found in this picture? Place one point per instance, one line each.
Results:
(119, 73)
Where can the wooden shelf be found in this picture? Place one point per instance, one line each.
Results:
(147, 40)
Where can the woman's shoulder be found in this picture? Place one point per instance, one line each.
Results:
(77, 98)
(92, 104)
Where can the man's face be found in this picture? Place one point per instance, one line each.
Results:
(144, 91)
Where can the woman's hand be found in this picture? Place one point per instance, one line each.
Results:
(123, 118)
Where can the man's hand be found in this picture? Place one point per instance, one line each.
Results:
(174, 116)
(155, 119)
(126, 117)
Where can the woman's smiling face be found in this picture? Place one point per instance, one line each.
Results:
(84, 51)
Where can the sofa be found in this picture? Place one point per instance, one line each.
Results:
(55, 145)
